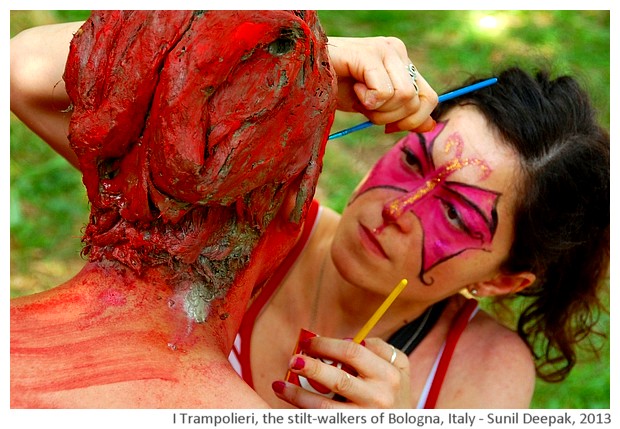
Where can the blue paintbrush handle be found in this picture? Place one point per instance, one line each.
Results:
(444, 97)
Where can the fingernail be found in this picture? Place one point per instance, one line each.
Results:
(297, 363)
(370, 100)
(278, 386)
(426, 127)
(391, 128)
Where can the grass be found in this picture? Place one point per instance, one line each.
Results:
(48, 206)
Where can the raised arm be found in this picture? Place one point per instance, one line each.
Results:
(38, 96)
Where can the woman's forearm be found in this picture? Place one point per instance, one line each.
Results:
(38, 96)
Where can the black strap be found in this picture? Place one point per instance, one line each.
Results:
(409, 336)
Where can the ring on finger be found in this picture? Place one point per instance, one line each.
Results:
(393, 357)
(413, 73)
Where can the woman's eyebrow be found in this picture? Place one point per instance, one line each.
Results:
(476, 198)
(427, 149)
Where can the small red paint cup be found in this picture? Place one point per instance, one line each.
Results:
(311, 385)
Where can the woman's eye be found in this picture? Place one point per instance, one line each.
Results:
(454, 216)
(412, 160)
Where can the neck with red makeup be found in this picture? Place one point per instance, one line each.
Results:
(110, 325)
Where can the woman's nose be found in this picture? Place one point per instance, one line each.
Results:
(403, 220)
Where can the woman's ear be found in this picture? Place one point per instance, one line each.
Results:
(503, 284)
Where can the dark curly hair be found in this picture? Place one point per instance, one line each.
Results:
(562, 215)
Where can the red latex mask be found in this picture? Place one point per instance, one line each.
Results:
(191, 129)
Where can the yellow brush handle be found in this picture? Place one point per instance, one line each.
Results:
(380, 311)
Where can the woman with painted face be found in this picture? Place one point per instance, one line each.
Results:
(508, 196)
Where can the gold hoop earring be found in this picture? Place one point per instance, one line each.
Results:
(469, 293)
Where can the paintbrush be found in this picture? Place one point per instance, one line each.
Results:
(444, 97)
(380, 311)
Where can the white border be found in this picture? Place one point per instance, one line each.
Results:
(163, 418)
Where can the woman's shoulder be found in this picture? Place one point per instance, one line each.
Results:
(487, 339)
(329, 215)
(492, 367)
(493, 341)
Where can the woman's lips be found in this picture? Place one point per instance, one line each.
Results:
(370, 242)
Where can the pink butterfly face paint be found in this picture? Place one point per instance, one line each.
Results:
(454, 216)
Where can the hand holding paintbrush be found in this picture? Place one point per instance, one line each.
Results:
(359, 337)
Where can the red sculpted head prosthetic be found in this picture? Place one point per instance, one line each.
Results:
(191, 128)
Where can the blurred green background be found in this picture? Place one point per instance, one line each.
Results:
(49, 208)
